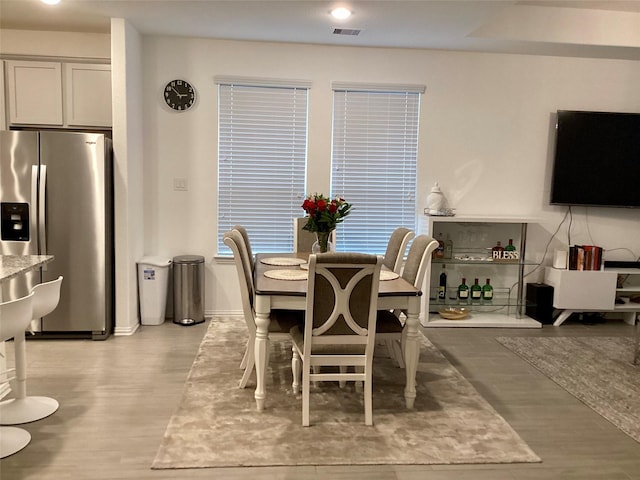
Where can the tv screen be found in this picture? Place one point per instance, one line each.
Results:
(597, 159)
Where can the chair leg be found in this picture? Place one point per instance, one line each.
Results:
(358, 383)
(245, 358)
(390, 350)
(368, 403)
(636, 356)
(343, 370)
(20, 352)
(249, 364)
(296, 370)
(398, 353)
(305, 395)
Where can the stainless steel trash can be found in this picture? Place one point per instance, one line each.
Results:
(188, 289)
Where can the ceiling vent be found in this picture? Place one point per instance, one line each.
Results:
(346, 31)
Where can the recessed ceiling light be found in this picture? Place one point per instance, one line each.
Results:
(341, 13)
(50, 2)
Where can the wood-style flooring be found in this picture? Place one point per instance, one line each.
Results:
(116, 398)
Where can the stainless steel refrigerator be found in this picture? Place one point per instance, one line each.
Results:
(56, 198)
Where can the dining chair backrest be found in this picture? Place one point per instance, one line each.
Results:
(247, 244)
(419, 260)
(396, 247)
(15, 316)
(233, 239)
(342, 293)
(46, 297)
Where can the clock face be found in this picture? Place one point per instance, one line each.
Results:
(179, 95)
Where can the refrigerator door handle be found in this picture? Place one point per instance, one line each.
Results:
(33, 206)
(42, 231)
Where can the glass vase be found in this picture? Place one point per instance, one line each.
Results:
(322, 245)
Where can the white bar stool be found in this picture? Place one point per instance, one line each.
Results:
(14, 316)
(24, 408)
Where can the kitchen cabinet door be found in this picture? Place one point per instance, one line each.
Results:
(87, 95)
(34, 92)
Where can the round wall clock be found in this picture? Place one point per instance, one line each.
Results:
(179, 95)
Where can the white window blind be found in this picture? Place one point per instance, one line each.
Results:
(262, 152)
(374, 159)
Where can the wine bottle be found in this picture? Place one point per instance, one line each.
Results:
(497, 252)
(487, 291)
(511, 247)
(476, 290)
(442, 288)
(439, 252)
(448, 247)
(463, 291)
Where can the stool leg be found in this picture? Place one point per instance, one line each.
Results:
(24, 409)
(20, 349)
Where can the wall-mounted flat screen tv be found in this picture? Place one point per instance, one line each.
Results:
(597, 159)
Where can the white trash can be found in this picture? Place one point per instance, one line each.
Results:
(153, 280)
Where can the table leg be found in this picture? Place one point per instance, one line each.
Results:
(412, 350)
(261, 350)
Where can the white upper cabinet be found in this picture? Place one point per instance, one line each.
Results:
(34, 92)
(88, 95)
(60, 94)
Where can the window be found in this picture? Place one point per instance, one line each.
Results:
(374, 161)
(262, 153)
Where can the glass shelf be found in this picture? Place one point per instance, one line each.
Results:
(458, 261)
(501, 298)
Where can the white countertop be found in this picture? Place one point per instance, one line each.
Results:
(13, 265)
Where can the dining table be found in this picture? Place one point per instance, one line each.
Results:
(289, 291)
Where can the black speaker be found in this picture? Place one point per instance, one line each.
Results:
(540, 302)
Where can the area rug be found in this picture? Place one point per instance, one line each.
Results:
(217, 425)
(596, 370)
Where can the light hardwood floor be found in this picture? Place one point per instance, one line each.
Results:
(116, 398)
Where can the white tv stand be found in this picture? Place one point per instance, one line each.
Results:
(594, 291)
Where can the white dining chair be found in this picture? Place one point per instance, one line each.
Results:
(397, 245)
(340, 325)
(281, 320)
(15, 316)
(390, 327)
(247, 244)
(24, 408)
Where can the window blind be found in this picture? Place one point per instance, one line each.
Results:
(262, 152)
(374, 162)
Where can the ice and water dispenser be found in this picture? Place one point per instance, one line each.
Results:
(14, 219)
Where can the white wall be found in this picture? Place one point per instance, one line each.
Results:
(486, 135)
(128, 169)
(486, 127)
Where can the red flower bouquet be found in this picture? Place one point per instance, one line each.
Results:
(324, 214)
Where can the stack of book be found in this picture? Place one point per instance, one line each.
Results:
(585, 257)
